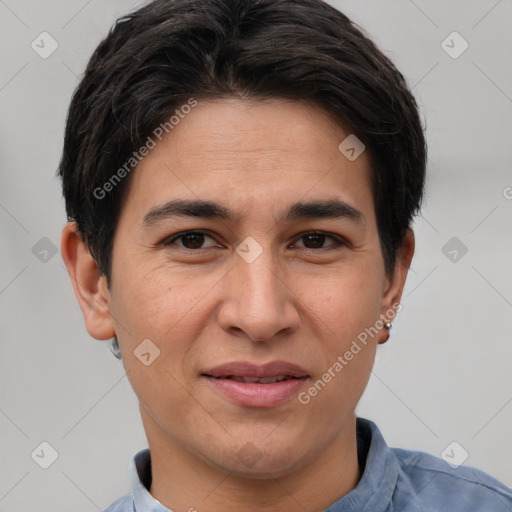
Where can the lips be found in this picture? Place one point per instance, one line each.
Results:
(257, 380)
(257, 385)
(275, 369)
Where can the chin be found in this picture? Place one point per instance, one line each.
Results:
(268, 466)
(256, 460)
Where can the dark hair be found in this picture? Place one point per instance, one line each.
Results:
(157, 58)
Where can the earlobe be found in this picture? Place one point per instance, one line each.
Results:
(89, 286)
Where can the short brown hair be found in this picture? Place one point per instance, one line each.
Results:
(157, 58)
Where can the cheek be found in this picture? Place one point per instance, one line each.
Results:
(344, 304)
(170, 308)
(158, 301)
(165, 309)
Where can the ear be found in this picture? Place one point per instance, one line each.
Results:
(90, 287)
(394, 284)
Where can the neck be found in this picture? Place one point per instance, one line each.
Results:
(185, 481)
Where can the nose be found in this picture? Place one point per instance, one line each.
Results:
(258, 299)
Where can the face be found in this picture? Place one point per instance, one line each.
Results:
(255, 284)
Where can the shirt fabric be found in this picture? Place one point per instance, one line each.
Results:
(393, 480)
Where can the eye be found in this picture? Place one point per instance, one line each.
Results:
(315, 240)
(192, 240)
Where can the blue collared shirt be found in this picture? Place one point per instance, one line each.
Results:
(393, 480)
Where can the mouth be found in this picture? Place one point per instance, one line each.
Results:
(253, 385)
(256, 380)
(244, 369)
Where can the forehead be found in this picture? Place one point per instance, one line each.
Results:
(252, 153)
(272, 130)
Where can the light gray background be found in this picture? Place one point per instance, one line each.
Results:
(445, 374)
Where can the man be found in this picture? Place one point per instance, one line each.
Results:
(240, 179)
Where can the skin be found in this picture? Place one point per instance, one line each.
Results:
(305, 303)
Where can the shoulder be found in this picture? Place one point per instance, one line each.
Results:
(429, 483)
(122, 504)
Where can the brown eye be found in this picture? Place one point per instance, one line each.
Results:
(192, 240)
(315, 240)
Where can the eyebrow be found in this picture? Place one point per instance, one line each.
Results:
(331, 209)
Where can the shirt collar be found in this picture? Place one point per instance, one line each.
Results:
(140, 481)
(378, 481)
(373, 492)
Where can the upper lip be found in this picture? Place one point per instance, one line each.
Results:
(246, 369)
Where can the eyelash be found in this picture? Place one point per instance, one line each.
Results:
(338, 242)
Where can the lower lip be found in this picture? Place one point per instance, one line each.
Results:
(258, 395)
